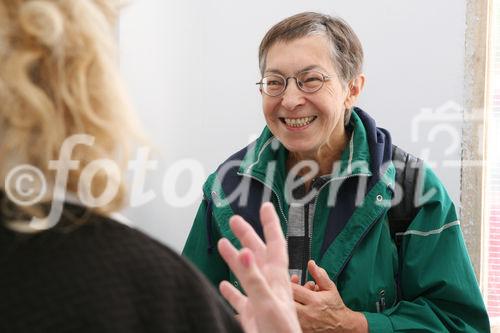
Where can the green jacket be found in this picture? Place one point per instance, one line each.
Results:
(439, 291)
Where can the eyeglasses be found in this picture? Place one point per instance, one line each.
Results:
(308, 81)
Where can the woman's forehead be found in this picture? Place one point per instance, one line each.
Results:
(309, 52)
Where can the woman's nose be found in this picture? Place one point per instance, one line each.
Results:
(292, 96)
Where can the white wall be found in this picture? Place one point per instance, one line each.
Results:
(191, 66)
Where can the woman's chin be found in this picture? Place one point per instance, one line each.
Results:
(299, 148)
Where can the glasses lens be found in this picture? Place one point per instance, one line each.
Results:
(310, 81)
(273, 85)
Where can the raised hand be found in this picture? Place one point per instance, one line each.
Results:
(262, 269)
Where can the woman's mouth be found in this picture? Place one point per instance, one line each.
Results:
(298, 122)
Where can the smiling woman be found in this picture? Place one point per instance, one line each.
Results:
(331, 174)
(309, 122)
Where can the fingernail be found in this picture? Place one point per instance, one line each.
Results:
(246, 259)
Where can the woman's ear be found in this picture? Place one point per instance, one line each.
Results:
(354, 89)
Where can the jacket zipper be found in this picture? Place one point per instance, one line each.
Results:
(307, 254)
(309, 228)
(272, 190)
(307, 222)
(380, 304)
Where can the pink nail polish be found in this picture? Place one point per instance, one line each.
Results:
(246, 259)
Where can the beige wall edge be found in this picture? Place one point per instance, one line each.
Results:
(475, 72)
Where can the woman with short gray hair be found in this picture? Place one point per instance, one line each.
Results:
(356, 263)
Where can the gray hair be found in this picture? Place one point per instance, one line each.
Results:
(347, 52)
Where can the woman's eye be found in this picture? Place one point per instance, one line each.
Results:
(312, 79)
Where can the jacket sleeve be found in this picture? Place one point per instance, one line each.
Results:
(440, 292)
(201, 246)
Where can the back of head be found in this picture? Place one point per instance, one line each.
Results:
(59, 77)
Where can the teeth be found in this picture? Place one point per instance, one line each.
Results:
(299, 122)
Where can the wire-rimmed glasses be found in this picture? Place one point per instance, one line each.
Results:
(308, 81)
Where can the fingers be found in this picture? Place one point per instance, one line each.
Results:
(243, 265)
(302, 295)
(247, 235)
(272, 232)
(232, 295)
(320, 276)
(251, 278)
(310, 285)
(228, 252)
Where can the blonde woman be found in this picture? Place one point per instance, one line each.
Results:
(65, 263)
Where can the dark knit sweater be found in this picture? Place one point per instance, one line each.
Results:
(102, 276)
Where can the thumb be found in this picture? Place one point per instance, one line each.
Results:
(320, 276)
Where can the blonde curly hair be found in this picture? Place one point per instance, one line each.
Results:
(58, 77)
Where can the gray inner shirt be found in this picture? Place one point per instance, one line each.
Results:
(300, 228)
